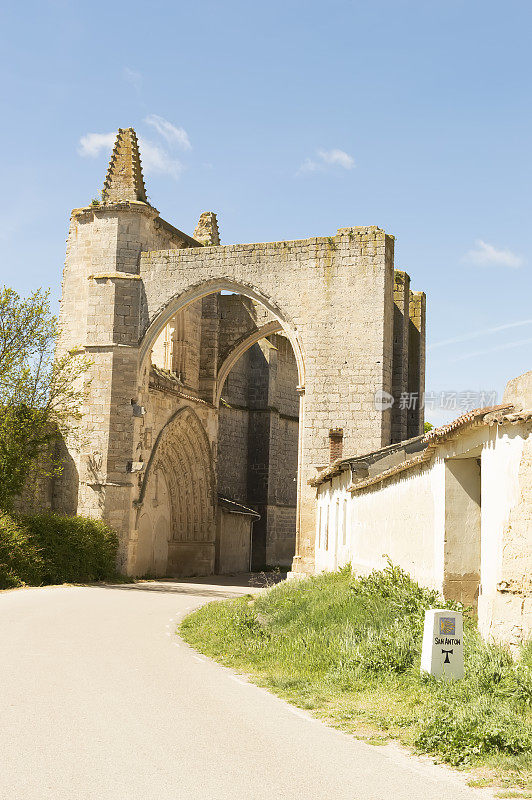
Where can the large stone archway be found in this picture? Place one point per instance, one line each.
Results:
(349, 318)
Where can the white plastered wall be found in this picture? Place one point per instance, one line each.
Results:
(401, 518)
(499, 613)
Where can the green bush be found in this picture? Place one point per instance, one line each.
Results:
(73, 549)
(49, 548)
(20, 558)
(393, 594)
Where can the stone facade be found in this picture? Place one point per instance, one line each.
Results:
(136, 289)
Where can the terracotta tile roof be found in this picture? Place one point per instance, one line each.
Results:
(350, 462)
(490, 415)
(464, 419)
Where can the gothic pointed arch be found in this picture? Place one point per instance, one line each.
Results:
(181, 463)
(181, 300)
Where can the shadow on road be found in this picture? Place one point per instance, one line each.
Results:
(208, 586)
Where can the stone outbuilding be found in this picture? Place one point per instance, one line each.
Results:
(452, 507)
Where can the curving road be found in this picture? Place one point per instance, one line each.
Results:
(100, 699)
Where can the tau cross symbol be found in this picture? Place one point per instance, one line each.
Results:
(447, 654)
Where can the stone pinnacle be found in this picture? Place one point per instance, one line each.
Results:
(124, 179)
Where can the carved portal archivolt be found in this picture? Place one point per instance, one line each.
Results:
(176, 505)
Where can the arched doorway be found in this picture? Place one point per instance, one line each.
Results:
(176, 509)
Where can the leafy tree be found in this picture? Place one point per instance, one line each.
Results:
(428, 426)
(40, 394)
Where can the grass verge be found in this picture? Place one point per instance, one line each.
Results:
(349, 650)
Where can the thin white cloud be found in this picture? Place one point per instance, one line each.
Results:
(168, 131)
(486, 254)
(327, 158)
(496, 349)
(337, 157)
(133, 77)
(92, 144)
(309, 165)
(155, 159)
(477, 334)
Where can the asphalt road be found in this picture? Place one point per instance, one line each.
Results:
(100, 699)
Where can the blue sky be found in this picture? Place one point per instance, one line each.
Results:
(291, 119)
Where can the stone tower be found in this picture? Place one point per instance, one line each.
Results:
(101, 309)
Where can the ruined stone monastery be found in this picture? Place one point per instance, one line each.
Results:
(223, 376)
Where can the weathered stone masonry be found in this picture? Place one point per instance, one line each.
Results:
(129, 274)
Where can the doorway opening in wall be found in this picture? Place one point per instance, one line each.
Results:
(228, 359)
(463, 516)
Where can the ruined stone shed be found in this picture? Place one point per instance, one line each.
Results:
(224, 368)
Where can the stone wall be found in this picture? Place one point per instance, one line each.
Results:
(416, 363)
(178, 348)
(401, 319)
(505, 602)
(100, 314)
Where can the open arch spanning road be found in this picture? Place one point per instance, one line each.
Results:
(100, 699)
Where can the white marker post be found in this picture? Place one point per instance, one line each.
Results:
(442, 654)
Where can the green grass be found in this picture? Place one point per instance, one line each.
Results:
(349, 650)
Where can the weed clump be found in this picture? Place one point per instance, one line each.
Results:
(389, 649)
(463, 733)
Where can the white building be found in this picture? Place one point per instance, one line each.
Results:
(453, 508)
